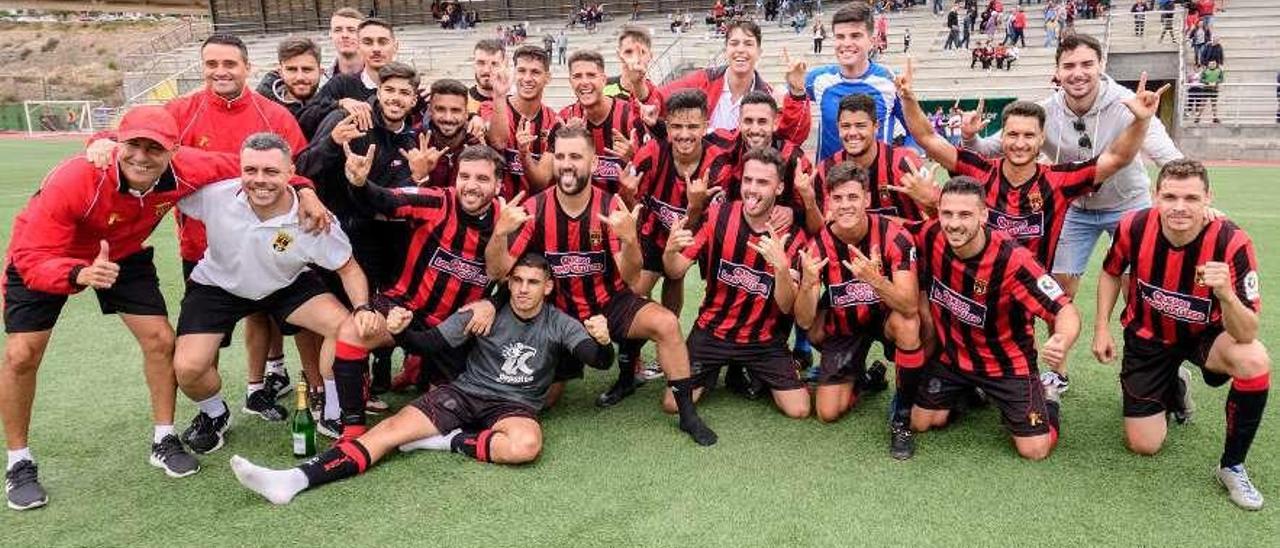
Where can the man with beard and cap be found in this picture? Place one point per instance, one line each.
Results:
(351, 92)
(488, 57)
(589, 236)
(521, 125)
(858, 286)
(344, 34)
(298, 77)
(982, 292)
(751, 273)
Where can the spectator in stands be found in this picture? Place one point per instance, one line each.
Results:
(1205, 9)
(954, 119)
(970, 23)
(1051, 28)
(1139, 11)
(1010, 55)
(1212, 52)
(562, 46)
(343, 26)
(1200, 37)
(1166, 21)
(297, 78)
(998, 54)
(549, 43)
(906, 40)
(1278, 97)
(983, 54)
(1019, 27)
(1210, 77)
(953, 29)
(819, 34)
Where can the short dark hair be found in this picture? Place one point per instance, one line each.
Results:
(844, 172)
(745, 25)
(490, 45)
(962, 185)
(482, 153)
(265, 140)
(396, 69)
(448, 86)
(533, 52)
(349, 13)
(687, 99)
(638, 34)
(858, 13)
(1074, 40)
(533, 259)
(1025, 109)
(859, 102)
(768, 155)
(757, 97)
(574, 132)
(586, 55)
(225, 39)
(294, 46)
(377, 22)
(1183, 168)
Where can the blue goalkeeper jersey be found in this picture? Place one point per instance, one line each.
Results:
(826, 87)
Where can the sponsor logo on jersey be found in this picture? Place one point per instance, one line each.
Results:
(1179, 306)
(577, 264)
(1021, 227)
(745, 278)
(515, 364)
(852, 294)
(667, 214)
(964, 309)
(888, 211)
(1252, 291)
(608, 167)
(465, 270)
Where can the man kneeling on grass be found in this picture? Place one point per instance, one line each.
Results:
(488, 413)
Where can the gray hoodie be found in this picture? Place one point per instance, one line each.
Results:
(1129, 188)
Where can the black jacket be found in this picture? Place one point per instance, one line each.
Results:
(272, 87)
(342, 86)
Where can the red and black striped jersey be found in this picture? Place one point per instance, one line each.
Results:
(662, 189)
(853, 306)
(1166, 301)
(624, 116)
(983, 308)
(890, 163)
(446, 170)
(739, 305)
(544, 124)
(1033, 212)
(580, 250)
(445, 267)
(726, 151)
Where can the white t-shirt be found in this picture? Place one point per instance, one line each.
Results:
(253, 258)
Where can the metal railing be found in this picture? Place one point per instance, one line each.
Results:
(1229, 104)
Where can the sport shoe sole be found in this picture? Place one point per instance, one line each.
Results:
(156, 462)
(1218, 476)
(32, 506)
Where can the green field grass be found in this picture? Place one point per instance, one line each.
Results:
(626, 476)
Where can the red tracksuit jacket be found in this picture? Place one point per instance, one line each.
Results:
(793, 120)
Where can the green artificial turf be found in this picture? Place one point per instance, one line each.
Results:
(625, 476)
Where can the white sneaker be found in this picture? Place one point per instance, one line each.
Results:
(1055, 384)
(1241, 491)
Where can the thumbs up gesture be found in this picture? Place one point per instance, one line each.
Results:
(102, 273)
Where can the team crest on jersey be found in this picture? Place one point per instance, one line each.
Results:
(515, 364)
(852, 294)
(577, 265)
(962, 308)
(112, 218)
(465, 270)
(979, 287)
(596, 237)
(1035, 199)
(202, 141)
(745, 278)
(1179, 306)
(162, 208)
(282, 242)
(1021, 227)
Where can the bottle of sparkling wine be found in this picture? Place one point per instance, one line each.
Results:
(303, 428)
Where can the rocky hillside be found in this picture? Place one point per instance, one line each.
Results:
(73, 60)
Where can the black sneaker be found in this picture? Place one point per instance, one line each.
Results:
(330, 428)
(170, 456)
(380, 379)
(619, 391)
(262, 403)
(206, 434)
(735, 379)
(278, 383)
(22, 487)
(875, 380)
(902, 441)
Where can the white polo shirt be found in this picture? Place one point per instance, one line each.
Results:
(727, 111)
(253, 258)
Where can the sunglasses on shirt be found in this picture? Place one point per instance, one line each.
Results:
(1085, 141)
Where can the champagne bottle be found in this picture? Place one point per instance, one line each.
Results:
(304, 427)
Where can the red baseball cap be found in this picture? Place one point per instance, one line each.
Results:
(149, 122)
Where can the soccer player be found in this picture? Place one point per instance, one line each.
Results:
(351, 91)
(984, 292)
(444, 272)
(726, 85)
(297, 78)
(488, 57)
(745, 315)
(521, 125)
(1193, 295)
(257, 262)
(590, 238)
(635, 51)
(853, 72)
(884, 163)
(489, 413)
(86, 227)
(446, 131)
(344, 34)
(859, 286)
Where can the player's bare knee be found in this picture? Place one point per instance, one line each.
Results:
(903, 329)
(1035, 450)
(795, 409)
(1251, 363)
(666, 327)
(1143, 443)
(157, 342)
(829, 412)
(524, 446)
(21, 358)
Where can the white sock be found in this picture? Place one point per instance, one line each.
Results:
(439, 442)
(331, 408)
(161, 431)
(277, 486)
(214, 406)
(19, 455)
(254, 387)
(276, 366)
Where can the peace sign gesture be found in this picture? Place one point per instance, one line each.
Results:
(811, 266)
(422, 160)
(1144, 103)
(357, 166)
(511, 215)
(973, 122)
(866, 270)
(903, 81)
(623, 221)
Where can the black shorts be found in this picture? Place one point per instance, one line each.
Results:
(187, 268)
(844, 357)
(770, 363)
(136, 291)
(438, 368)
(449, 408)
(620, 312)
(379, 247)
(1149, 371)
(1020, 399)
(651, 253)
(209, 309)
